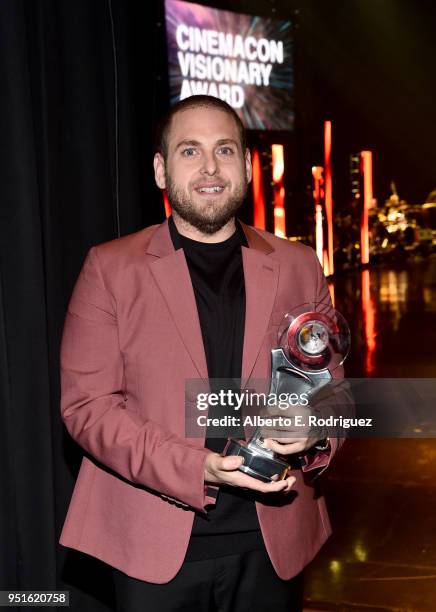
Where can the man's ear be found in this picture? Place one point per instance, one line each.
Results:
(159, 170)
(248, 168)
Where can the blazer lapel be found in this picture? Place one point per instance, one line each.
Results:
(261, 280)
(171, 274)
(261, 274)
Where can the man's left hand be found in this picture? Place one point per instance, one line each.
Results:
(292, 439)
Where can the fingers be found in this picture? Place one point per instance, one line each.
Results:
(225, 471)
(230, 463)
(290, 480)
(287, 446)
(239, 479)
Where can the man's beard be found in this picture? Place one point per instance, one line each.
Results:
(213, 215)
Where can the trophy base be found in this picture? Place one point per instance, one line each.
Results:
(258, 463)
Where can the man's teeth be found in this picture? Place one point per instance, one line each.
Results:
(215, 189)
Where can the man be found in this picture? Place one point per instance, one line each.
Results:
(199, 296)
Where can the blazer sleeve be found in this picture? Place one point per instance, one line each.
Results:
(337, 400)
(93, 403)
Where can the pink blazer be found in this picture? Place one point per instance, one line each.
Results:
(131, 338)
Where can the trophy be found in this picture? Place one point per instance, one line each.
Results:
(313, 341)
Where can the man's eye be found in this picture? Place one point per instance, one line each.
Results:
(190, 152)
(226, 151)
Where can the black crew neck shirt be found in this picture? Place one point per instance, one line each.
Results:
(217, 277)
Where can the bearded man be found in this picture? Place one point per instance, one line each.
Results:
(200, 296)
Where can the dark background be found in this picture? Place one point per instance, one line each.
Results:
(82, 84)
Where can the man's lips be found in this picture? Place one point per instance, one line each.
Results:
(210, 189)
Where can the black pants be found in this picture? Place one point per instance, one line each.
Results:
(234, 583)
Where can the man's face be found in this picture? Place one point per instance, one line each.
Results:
(206, 173)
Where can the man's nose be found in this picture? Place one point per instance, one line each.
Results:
(210, 165)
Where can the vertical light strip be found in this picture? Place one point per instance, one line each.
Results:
(328, 191)
(258, 194)
(366, 157)
(369, 322)
(325, 263)
(319, 232)
(332, 292)
(278, 166)
(167, 204)
(317, 183)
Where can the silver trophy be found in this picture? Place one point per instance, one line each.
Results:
(313, 341)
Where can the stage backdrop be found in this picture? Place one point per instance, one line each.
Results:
(242, 59)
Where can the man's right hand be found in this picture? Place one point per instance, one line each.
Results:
(224, 470)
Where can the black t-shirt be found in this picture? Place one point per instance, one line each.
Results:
(217, 276)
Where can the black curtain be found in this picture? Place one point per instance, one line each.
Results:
(80, 83)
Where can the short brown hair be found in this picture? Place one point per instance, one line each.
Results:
(161, 140)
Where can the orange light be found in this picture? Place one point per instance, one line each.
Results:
(325, 263)
(332, 292)
(317, 191)
(277, 162)
(366, 157)
(369, 321)
(318, 232)
(317, 173)
(167, 204)
(278, 166)
(328, 198)
(258, 194)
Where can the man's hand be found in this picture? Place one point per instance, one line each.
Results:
(295, 438)
(289, 446)
(224, 470)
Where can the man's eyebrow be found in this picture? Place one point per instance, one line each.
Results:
(196, 143)
(227, 141)
(188, 143)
